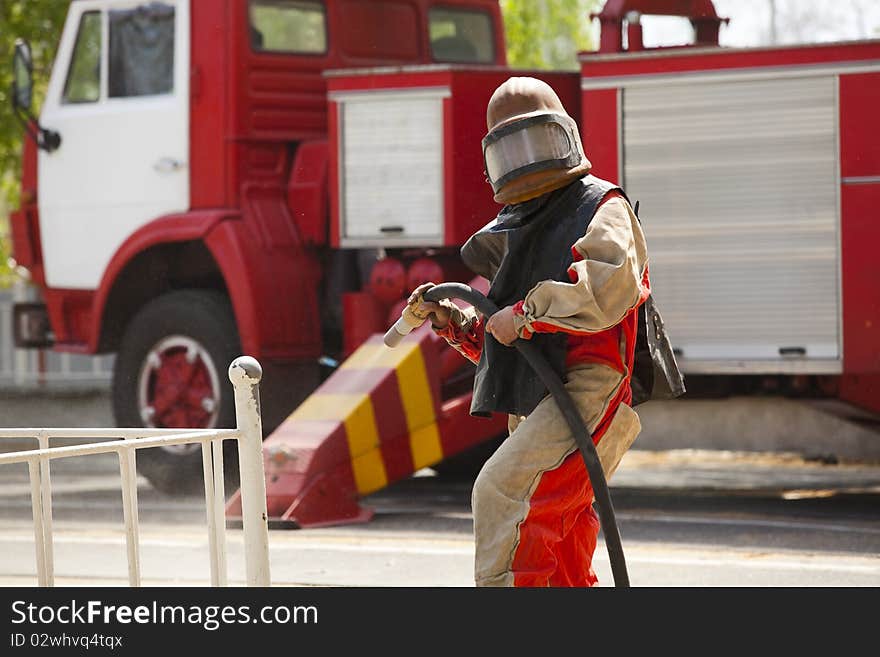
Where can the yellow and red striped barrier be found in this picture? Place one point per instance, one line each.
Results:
(376, 420)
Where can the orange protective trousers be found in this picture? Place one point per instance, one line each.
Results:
(534, 524)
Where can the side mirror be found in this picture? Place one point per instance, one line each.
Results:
(23, 76)
(23, 96)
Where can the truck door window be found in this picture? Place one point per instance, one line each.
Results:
(83, 84)
(288, 26)
(141, 61)
(461, 36)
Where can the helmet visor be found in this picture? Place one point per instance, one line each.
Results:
(532, 144)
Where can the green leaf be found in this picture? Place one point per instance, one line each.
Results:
(547, 34)
(39, 22)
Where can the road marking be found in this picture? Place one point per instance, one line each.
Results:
(634, 554)
(742, 522)
(817, 564)
(103, 505)
(342, 545)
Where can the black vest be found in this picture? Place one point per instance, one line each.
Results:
(527, 243)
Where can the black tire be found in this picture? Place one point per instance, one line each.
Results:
(194, 317)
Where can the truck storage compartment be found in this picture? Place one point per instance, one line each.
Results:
(406, 160)
(739, 191)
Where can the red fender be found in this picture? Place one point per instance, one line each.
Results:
(165, 230)
(253, 277)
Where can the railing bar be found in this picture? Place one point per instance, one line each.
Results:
(46, 509)
(113, 446)
(39, 534)
(220, 509)
(207, 474)
(130, 518)
(135, 432)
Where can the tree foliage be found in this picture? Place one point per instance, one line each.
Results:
(547, 33)
(40, 23)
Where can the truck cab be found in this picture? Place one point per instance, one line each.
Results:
(182, 217)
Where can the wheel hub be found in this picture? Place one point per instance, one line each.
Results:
(178, 388)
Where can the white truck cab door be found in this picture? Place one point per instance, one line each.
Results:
(119, 98)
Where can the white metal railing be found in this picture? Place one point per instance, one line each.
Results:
(245, 374)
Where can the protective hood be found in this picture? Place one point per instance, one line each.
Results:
(533, 145)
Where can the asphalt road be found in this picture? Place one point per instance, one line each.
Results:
(687, 518)
(421, 535)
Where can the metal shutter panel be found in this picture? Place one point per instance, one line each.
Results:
(738, 184)
(391, 153)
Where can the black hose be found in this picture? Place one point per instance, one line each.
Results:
(566, 404)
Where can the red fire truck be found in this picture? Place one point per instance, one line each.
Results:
(271, 177)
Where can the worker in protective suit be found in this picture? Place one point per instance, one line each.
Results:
(567, 262)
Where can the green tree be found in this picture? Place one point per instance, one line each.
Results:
(547, 33)
(40, 23)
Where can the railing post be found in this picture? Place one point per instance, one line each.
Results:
(128, 475)
(245, 374)
(46, 509)
(39, 529)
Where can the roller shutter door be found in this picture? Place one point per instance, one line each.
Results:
(391, 167)
(738, 185)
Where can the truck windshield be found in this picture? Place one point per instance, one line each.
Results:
(461, 36)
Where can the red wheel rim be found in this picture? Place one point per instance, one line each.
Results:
(178, 387)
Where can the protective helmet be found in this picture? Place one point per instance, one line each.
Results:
(533, 145)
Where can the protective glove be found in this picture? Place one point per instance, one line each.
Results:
(418, 310)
